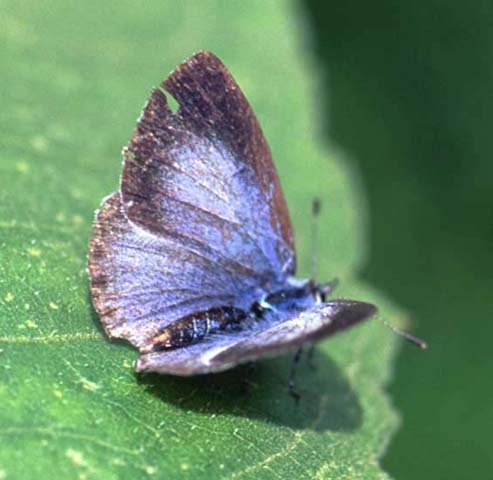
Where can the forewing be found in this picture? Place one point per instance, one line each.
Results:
(223, 351)
(205, 173)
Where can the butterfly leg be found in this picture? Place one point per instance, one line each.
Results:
(291, 387)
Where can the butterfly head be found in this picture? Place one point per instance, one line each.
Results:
(294, 295)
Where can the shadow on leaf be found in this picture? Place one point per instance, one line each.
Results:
(260, 392)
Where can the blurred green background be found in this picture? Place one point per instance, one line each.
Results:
(410, 98)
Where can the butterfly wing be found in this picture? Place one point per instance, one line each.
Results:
(200, 220)
(223, 351)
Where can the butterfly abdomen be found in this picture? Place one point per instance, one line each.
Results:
(193, 328)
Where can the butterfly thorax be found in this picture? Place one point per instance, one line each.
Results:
(295, 295)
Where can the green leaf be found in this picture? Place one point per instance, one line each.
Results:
(74, 77)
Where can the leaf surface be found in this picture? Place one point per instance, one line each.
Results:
(74, 78)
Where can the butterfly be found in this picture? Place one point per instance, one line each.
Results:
(193, 260)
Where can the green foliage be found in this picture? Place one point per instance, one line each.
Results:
(74, 78)
(411, 99)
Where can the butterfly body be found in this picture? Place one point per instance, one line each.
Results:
(192, 260)
(272, 307)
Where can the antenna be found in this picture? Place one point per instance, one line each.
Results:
(410, 338)
(329, 286)
(316, 206)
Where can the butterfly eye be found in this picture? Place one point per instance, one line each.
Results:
(258, 309)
